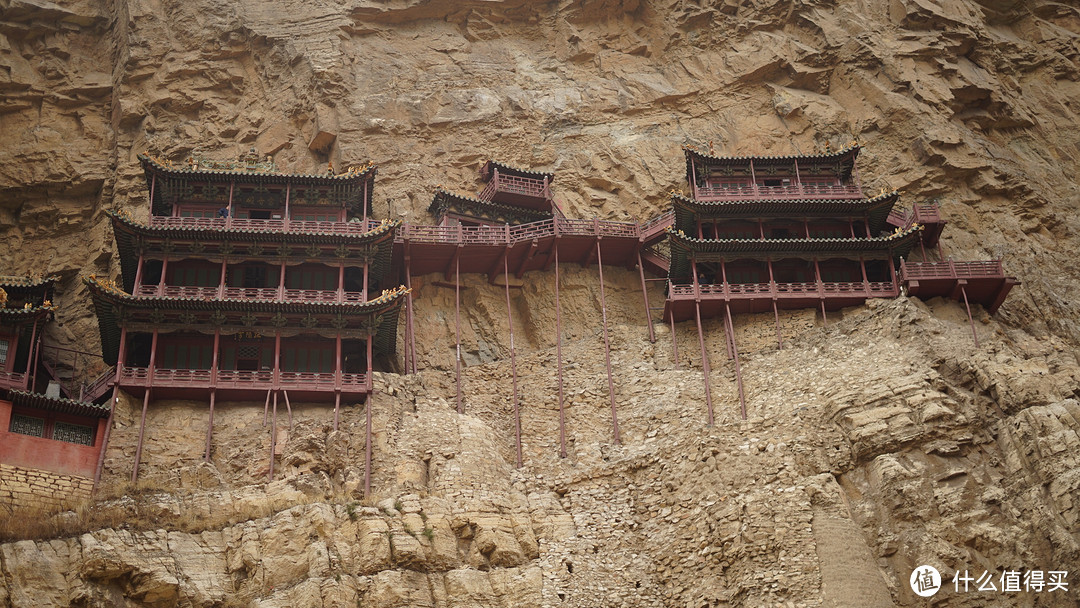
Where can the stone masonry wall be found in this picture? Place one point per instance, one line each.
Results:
(37, 489)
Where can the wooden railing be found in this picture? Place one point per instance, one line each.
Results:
(15, 380)
(233, 223)
(657, 225)
(990, 269)
(241, 379)
(929, 213)
(705, 193)
(512, 184)
(510, 235)
(249, 293)
(689, 291)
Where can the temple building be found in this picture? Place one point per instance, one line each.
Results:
(246, 283)
(510, 196)
(49, 443)
(764, 233)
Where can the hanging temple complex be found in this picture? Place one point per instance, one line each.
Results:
(248, 284)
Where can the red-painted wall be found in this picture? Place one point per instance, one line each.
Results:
(48, 454)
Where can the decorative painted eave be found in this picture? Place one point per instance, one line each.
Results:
(384, 231)
(109, 300)
(849, 152)
(897, 243)
(153, 165)
(108, 291)
(21, 282)
(444, 199)
(62, 405)
(488, 170)
(22, 315)
(877, 209)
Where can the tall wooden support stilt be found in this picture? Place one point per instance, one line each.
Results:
(367, 447)
(645, 294)
(457, 329)
(367, 427)
(210, 426)
(704, 365)
(288, 406)
(607, 345)
(674, 339)
(146, 403)
(273, 438)
(513, 363)
(558, 356)
(337, 408)
(779, 336)
(108, 423)
(410, 335)
(142, 431)
(970, 320)
(338, 375)
(738, 365)
(266, 406)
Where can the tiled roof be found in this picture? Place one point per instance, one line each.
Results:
(487, 170)
(878, 208)
(57, 404)
(151, 163)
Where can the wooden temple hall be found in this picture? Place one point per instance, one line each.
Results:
(761, 233)
(245, 283)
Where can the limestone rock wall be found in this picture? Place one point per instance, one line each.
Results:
(879, 442)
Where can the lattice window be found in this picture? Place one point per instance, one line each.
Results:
(3, 351)
(247, 352)
(73, 433)
(27, 425)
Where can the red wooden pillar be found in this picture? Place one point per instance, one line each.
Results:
(285, 217)
(139, 271)
(281, 281)
(273, 438)
(704, 363)
(776, 313)
(558, 355)
(645, 294)
(738, 366)
(210, 426)
(513, 363)
(457, 328)
(146, 403)
(229, 217)
(338, 373)
(970, 320)
(367, 432)
(607, 344)
(153, 185)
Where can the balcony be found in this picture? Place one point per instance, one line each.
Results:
(243, 380)
(250, 293)
(757, 192)
(780, 291)
(506, 235)
(514, 190)
(14, 380)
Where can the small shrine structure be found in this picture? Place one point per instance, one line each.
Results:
(49, 444)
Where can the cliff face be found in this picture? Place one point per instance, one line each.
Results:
(877, 443)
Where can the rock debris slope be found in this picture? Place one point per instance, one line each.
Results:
(881, 442)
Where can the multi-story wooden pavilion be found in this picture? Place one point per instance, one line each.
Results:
(763, 233)
(247, 283)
